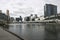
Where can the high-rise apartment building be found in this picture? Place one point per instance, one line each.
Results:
(49, 10)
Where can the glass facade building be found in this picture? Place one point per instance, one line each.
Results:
(49, 10)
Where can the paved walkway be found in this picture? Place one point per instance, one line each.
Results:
(7, 36)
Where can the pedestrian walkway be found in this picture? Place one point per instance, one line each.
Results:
(4, 35)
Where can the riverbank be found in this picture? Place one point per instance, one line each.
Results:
(4, 35)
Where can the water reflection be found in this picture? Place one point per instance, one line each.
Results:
(50, 36)
(51, 27)
(36, 31)
(5, 26)
(28, 31)
(52, 32)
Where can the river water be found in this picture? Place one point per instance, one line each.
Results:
(36, 31)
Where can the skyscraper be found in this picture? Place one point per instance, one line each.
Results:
(49, 10)
(7, 12)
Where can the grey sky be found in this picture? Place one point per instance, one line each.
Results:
(26, 7)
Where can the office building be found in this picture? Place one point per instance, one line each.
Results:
(7, 12)
(50, 10)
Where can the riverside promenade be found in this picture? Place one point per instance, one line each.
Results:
(4, 35)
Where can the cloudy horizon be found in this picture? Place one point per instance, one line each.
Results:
(26, 7)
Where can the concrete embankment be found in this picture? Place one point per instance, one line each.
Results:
(4, 35)
(14, 34)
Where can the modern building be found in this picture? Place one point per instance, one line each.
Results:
(0, 11)
(7, 12)
(31, 18)
(11, 19)
(49, 10)
(3, 18)
(19, 19)
(27, 18)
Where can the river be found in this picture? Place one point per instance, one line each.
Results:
(36, 31)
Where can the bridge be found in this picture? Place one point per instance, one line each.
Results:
(53, 17)
(41, 21)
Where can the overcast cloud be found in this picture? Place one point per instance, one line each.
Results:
(26, 7)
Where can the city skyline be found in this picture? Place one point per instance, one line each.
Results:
(26, 7)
